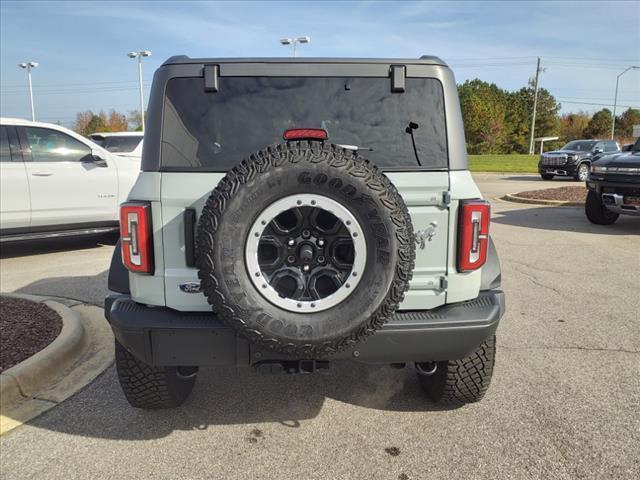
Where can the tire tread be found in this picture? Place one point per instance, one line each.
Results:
(149, 387)
(458, 382)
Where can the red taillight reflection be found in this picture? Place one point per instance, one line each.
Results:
(305, 134)
(473, 237)
(136, 237)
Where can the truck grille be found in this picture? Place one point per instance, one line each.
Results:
(555, 160)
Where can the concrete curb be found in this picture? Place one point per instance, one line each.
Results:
(35, 373)
(512, 197)
(82, 350)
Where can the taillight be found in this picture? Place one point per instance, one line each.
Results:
(136, 236)
(305, 134)
(473, 237)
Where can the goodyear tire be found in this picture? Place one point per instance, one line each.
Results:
(305, 248)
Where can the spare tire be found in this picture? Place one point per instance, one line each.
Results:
(305, 248)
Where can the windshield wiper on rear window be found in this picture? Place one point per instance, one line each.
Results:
(410, 128)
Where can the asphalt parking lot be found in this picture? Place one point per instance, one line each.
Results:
(564, 402)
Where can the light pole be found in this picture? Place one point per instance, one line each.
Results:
(139, 55)
(28, 66)
(535, 106)
(295, 42)
(615, 99)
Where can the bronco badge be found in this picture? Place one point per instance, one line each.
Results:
(424, 236)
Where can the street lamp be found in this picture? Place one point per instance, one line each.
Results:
(28, 66)
(295, 42)
(139, 55)
(615, 99)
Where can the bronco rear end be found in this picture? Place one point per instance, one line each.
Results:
(291, 212)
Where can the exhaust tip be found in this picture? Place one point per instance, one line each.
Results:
(426, 368)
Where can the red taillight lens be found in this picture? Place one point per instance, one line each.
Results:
(305, 134)
(473, 237)
(136, 237)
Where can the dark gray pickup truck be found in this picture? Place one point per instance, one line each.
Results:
(614, 187)
(574, 159)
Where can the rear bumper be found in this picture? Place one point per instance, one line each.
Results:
(164, 337)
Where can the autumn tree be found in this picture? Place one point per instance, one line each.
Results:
(483, 109)
(82, 120)
(117, 122)
(520, 109)
(626, 121)
(573, 125)
(89, 122)
(135, 121)
(600, 124)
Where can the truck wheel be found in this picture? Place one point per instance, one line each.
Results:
(150, 387)
(458, 382)
(305, 248)
(546, 176)
(596, 212)
(582, 173)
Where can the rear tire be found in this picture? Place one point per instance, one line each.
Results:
(546, 176)
(596, 212)
(458, 382)
(150, 387)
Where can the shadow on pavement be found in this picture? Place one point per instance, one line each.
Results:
(568, 219)
(235, 397)
(41, 247)
(88, 289)
(222, 396)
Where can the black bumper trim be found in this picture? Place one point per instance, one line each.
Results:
(161, 336)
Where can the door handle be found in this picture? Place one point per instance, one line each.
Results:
(42, 173)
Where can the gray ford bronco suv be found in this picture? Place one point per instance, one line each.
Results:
(292, 212)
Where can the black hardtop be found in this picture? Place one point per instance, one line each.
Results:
(424, 60)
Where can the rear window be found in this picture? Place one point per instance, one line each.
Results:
(120, 144)
(215, 131)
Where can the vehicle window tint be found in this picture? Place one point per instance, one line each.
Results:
(610, 147)
(5, 150)
(121, 144)
(97, 140)
(215, 131)
(54, 146)
(579, 145)
(598, 146)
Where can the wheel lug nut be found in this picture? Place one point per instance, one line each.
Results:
(291, 242)
(320, 259)
(291, 259)
(305, 268)
(321, 243)
(306, 233)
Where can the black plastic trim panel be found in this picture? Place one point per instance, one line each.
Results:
(162, 336)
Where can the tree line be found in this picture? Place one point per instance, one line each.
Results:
(495, 120)
(88, 122)
(499, 121)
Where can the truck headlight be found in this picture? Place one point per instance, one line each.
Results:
(598, 169)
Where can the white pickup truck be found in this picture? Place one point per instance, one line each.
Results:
(55, 182)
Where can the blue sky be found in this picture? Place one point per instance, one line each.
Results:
(82, 46)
